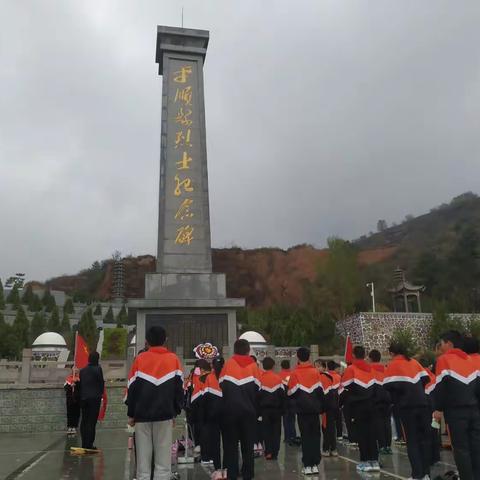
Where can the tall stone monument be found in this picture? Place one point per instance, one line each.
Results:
(183, 295)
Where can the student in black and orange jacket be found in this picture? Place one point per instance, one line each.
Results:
(307, 392)
(272, 406)
(333, 371)
(456, 395)
(154, 399)
(383, 405)
(289, 429)
(213, 417)
(405, 379)
(358, 391)
(240, 384)
(197, 406)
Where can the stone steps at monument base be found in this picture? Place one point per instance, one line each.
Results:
(43, 409)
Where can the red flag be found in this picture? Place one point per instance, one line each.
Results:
(80, 359)
(348, 351)
(103, 406)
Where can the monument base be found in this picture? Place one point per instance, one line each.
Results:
(192, 308)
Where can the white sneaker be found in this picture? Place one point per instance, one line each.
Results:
(315, 469)
(374, 466)
(197, 449)
(334, 453)
(307, 470)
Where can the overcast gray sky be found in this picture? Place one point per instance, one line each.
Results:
(322, 117)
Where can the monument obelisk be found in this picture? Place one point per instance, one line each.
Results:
(183, 295)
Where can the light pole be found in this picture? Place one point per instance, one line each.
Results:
(372, 294)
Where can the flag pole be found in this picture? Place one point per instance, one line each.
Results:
(75, 348)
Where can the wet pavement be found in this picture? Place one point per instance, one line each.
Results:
(47, 457)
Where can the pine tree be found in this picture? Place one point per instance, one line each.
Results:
(14, 297)
(65, 326)
(53, 323)
(39, 325)
(87, 328)
(48, 301)
(21, 327)
(2, 319)
(122, 317)
(68, 307)
(27, 297)
(36, 305)
(98, 310)
(2, 297)
(109, 318)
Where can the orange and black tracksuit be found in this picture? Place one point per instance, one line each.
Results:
(307, 392)
(240, 384)
(155, 386)
(405, 379)
(336, 381)
(329, 418)
(456, 395)
(197, 404)
(212, 419)
(272, 400)
(383, 408)
(435, 432)
(358, 391)
(289, 429)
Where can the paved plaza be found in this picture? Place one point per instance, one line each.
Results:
(47, 457)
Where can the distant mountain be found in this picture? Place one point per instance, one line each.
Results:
(267, 276)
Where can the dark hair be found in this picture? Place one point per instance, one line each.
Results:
(375, 355)
(424, 362)
(241, 347)
(156, 336)
(453, 336)
(321, 362)
(470, 345)
(203, 364)
(268, 363)
(254, 358)
(359, 352)
(332, 365)
(217, 365)
(396, 348)
(285, 364)
(93, 358)
(303, 354)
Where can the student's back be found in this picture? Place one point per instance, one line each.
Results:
(91, 382)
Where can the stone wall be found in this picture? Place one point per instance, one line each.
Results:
(42, 408)
(374, 330)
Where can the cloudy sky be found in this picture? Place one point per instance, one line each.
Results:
(322, 117)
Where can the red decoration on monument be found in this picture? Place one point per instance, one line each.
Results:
(207, 351)
(80, 359)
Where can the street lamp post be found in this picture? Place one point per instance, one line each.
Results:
(372, 294)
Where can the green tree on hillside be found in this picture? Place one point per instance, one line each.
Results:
(65, 325)
(36, 304)
(2, 296)
(68, 307)
(53, 323)
(14, 297)
(27, 297)
(122, 317)
(49, 301)
(10, 345)
(336, 290)
(87, 328)
(404, 337)
(21, 327)
(38, 326)
(109, 318)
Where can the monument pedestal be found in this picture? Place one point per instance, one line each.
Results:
(193, 309)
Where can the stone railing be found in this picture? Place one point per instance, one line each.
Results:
(53, 373)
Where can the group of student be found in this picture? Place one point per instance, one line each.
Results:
(237, 402)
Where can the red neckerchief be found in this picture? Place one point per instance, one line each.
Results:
(362, 365)
(378, 367)
(243, 360)
(459, 353)
(160, 350)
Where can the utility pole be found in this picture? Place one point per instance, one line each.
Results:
(372, 294)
